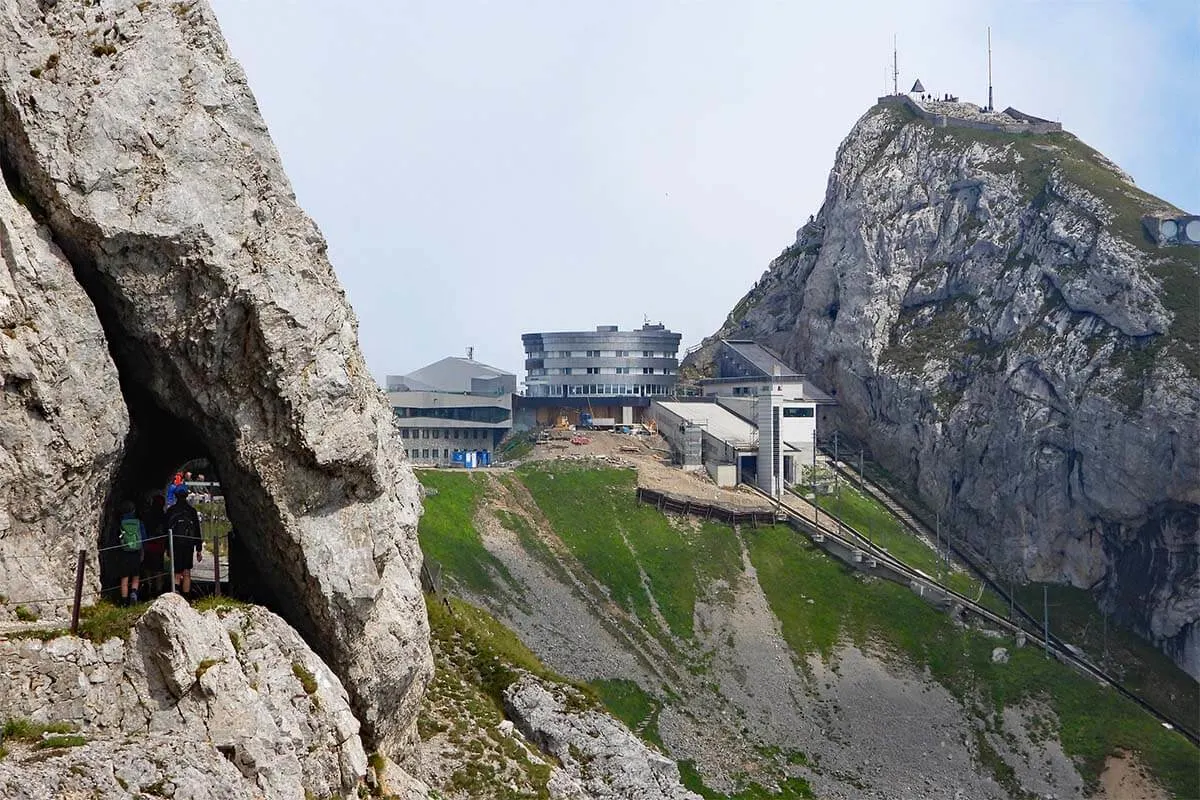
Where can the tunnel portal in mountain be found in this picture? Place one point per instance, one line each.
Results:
(160, 445)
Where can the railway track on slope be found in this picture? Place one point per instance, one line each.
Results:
(1062, 650)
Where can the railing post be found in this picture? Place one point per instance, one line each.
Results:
(171, 550)
(79, 564)
(217, 565)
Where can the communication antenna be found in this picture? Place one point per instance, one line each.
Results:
(990, 106)
(896, 63)
(470, 354)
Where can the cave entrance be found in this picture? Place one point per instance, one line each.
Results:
(165, 455)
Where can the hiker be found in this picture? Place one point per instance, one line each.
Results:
(155, 546)
(130, 534)
(184, 525)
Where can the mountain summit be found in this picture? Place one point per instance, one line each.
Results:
(1002, 335)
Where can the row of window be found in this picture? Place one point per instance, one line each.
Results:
(799, 411)
(599, 354)
(431, 454)
(444, 433)
(462, 413)
(596, 390)
(538, 373)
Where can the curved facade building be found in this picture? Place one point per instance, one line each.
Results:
(610, 373)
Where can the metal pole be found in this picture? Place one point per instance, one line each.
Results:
(816, 521)
(171, 549)
(837, 486)
(1046, 617)
(216, 557)
(937, 534)
(862, 483)
(79, 564)
(1010, 599)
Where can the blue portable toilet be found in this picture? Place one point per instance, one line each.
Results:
(487, 458)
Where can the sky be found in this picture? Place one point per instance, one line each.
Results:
(487, 169)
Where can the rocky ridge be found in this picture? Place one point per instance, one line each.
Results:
(1002, 335)
(228, 703)
(164, 298)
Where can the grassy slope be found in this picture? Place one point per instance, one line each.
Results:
(447, 530)
(1095, 721)
(595, 512)
(590, 509)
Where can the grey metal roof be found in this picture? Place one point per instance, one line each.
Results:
(451, 374)
(762, 358)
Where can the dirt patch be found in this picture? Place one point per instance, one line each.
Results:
(1124, 778)
(651, 457)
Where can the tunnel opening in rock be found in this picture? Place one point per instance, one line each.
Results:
(160, 446)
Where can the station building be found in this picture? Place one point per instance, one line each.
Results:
(755, 422)
(608, 373)
(453, 411)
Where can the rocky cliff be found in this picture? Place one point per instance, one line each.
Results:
(162, 298)
(1002, 335)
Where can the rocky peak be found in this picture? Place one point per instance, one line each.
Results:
(1001, 333)
(167, 299)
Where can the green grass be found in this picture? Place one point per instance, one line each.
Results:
(24, 614)
(597, 515)
(626, 701)
(516, 446)
(73, 740)
(43, 735)
(104, 621)
(871, 518)
(789, 788)
(497, 655)
(308, 681)
(447, 530)
(221, 605)
(882, 616)
(1141, 667)
(589, 510)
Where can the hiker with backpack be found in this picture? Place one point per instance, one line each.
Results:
(183, 524)
(130, 535)
(154, 549)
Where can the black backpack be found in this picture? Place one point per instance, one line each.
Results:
(184, 528)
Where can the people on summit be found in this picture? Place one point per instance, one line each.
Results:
(183, 523)
(130, 535)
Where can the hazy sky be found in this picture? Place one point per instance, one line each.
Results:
(482, 169)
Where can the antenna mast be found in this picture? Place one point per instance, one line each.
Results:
(896, 67)
(990, 106)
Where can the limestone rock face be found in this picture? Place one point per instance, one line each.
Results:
(999, 331)
(600, 757)
(62, 422)
(235, 689)
(133, 134)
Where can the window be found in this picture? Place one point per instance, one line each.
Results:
(436, 432)
(593, 353)
(445, 454)
(566, 370)
(622, 370)
(647, 370)
(800, 411)
(647, 354)
(424, 453)
(622, 354)
(424, 433)
(593, 370)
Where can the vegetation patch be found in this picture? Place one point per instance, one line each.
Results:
(50, 742)
(222, 605)
(447, 530)
(24, 614)
(626, 701)
(1094, 721)
(307, 680)
(104, 621)
(595, 512)
(788, 788)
